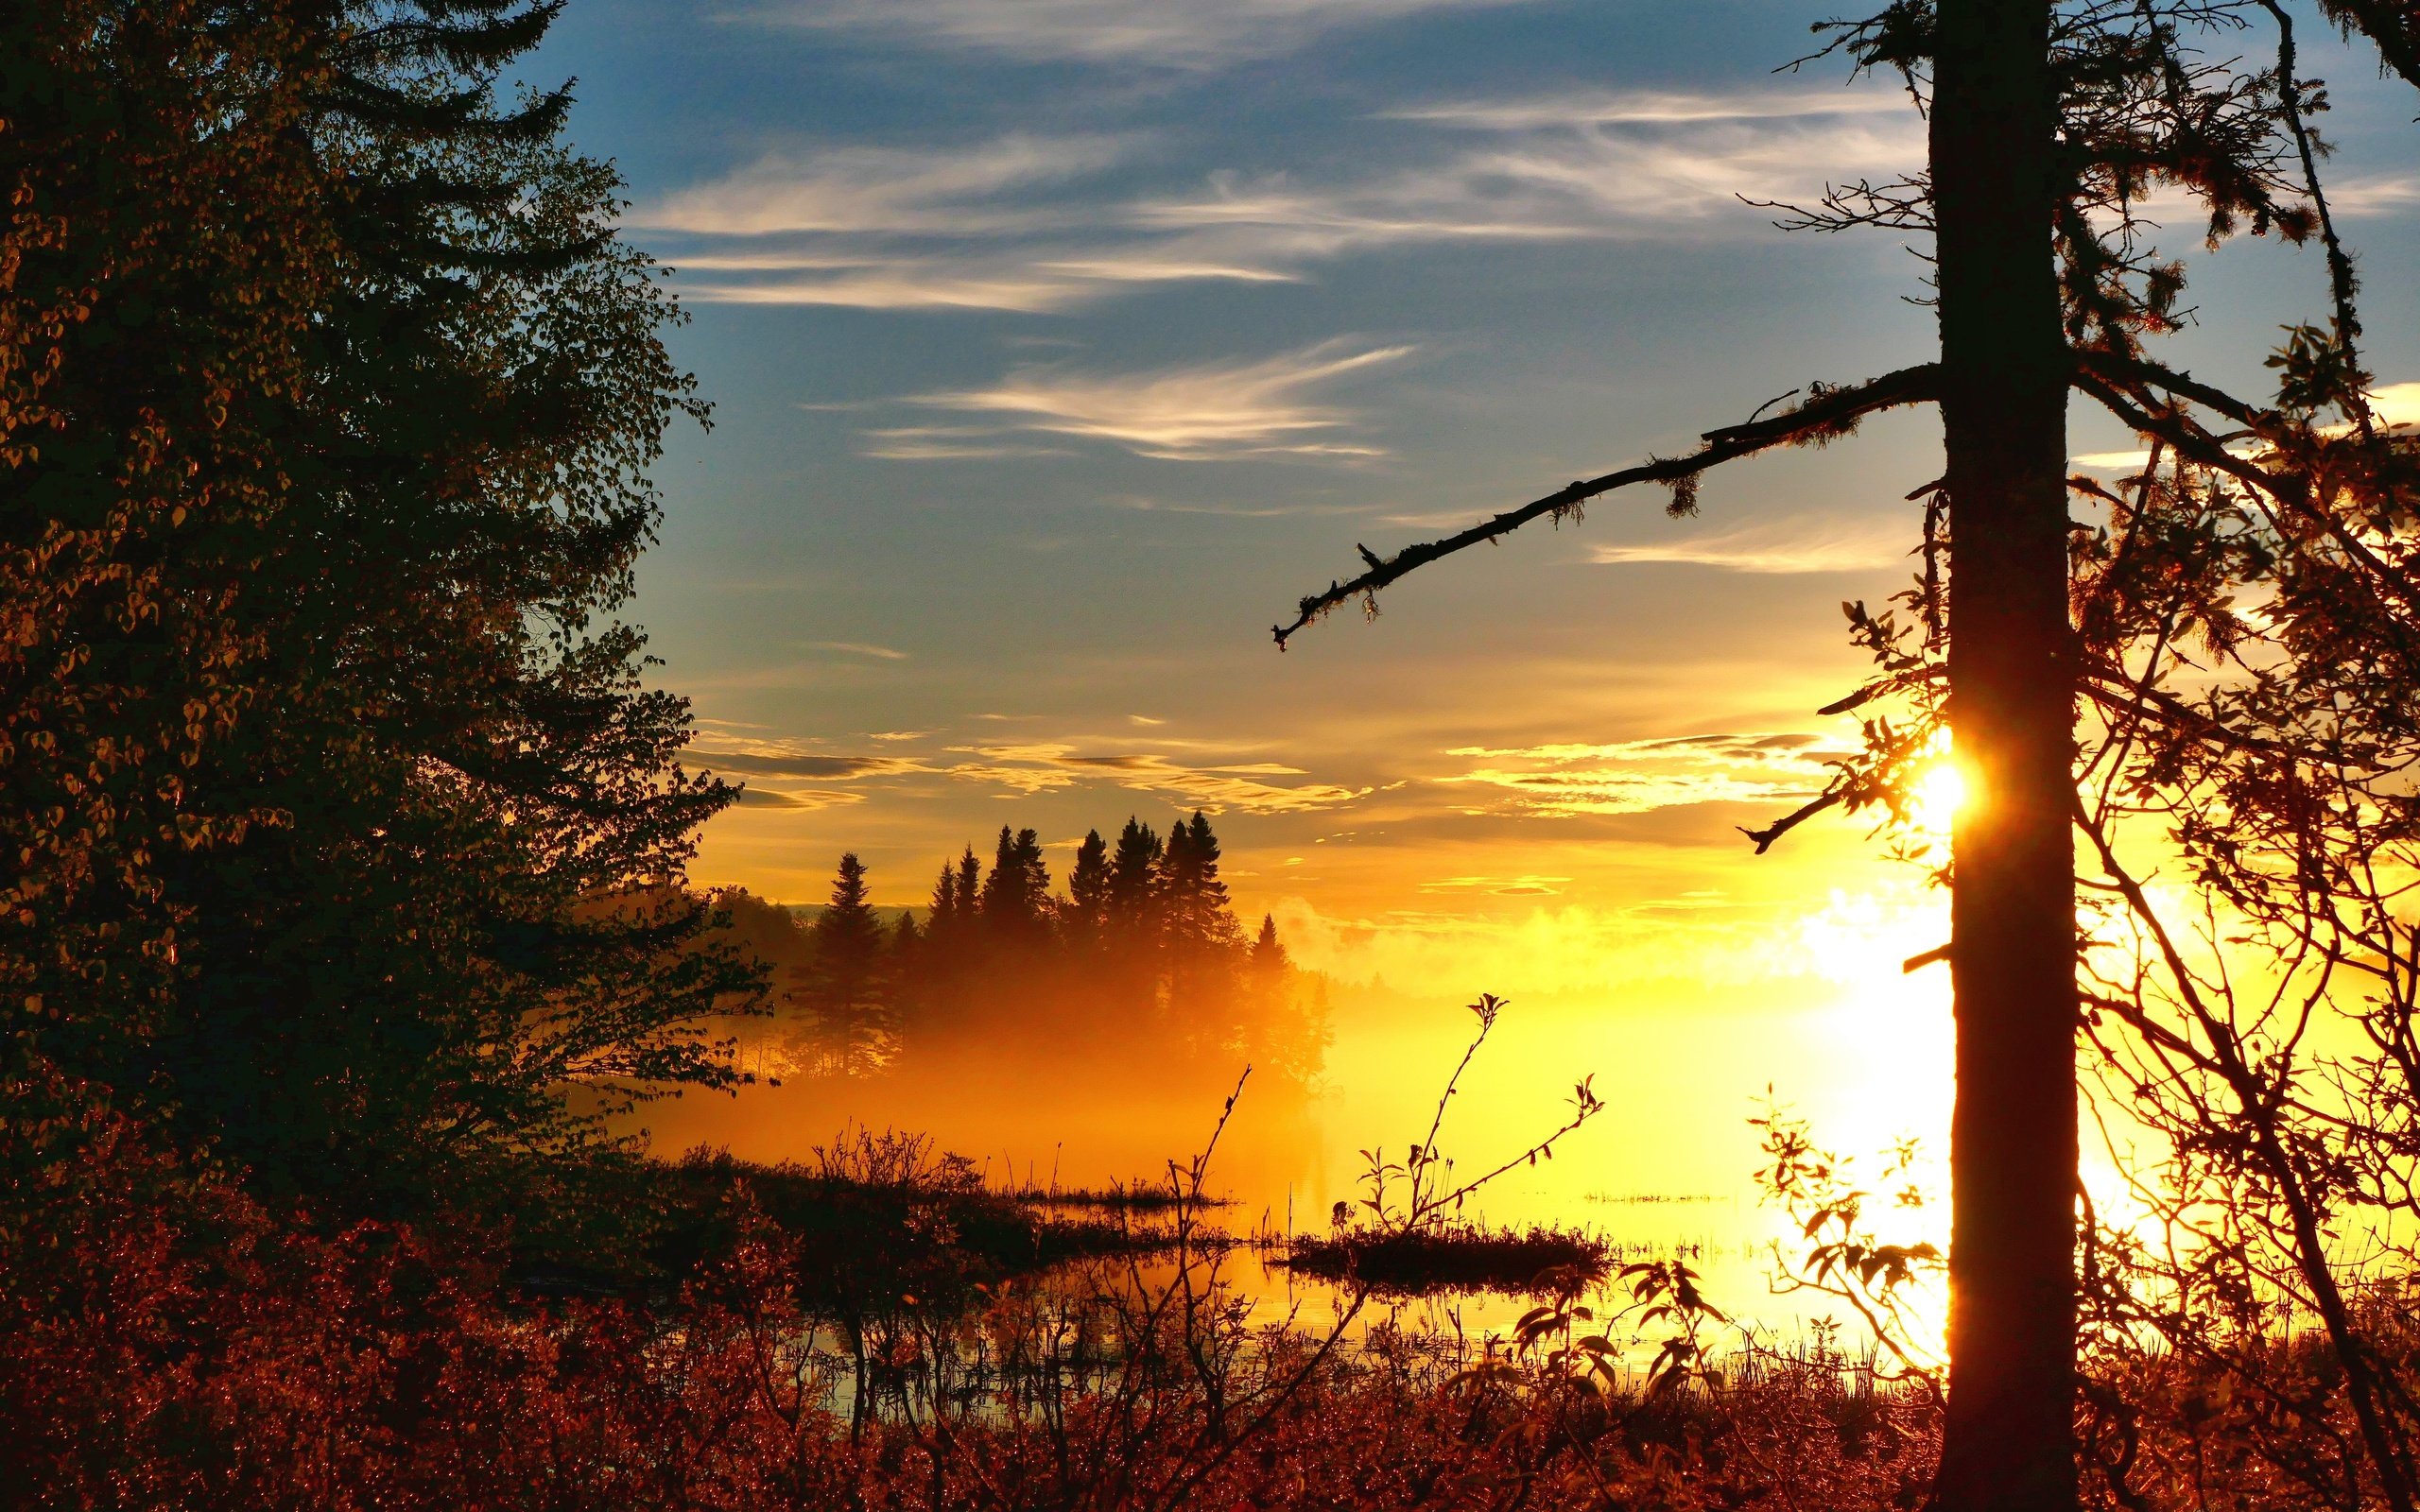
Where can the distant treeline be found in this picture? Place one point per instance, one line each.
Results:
(1141, 959)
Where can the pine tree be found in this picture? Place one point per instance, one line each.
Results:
(2049, 126)
(1268, 958)
(851, 1005)
(967, 894)
(1085, 915)
(1134, 878)
(1014, 905)
(945, 919)
(377, 832)
(1198, 919)
(2009, 1442)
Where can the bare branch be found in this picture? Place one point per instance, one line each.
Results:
(1770, 832)
(1827, 413)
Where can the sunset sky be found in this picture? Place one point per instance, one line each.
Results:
(1057, 346)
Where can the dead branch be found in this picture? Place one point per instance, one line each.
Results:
(1828, 413)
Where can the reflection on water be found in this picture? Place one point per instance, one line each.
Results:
(1037, 1345)
(1667, 1172)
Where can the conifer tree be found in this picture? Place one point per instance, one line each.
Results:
(966, 894)
(849, 992)
(945, 919)
(1268, 958)
(1015, 901)
(1085, 915)
(1133, 880)
(1198, 918)
(391, 830)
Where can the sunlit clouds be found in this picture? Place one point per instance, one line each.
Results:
(1797, 544)
(1208, 412)
(1245, 786)
(1029, 223)
(882, 190)
(880, 653)
(1542, 784)
(1651, 107)
(805, 775)
(1636, 777)
(1180, 33)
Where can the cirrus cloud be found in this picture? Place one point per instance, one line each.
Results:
(1207, 411)
(1798, 545)
(1567, 780)
(1183, 34)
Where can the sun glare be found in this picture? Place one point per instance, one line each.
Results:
(1941, 788)
(1940, 793)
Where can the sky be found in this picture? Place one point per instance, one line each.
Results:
(1057, 346)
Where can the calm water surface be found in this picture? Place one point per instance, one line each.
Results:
(1668, 1169)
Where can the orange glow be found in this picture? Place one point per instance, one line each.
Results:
(1941, 787)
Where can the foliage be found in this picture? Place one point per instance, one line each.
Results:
(1141, 962)
(1451, 1256)
(2242, 613)
(334, 788)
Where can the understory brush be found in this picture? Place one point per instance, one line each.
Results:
(173, 1344)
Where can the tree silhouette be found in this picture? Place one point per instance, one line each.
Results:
(849, 990)
(1085, 916)
(349, 832)
(2009, 1440)
(1195, 916)
(2048, 126)
(1014, 905)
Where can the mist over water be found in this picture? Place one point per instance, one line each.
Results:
(1668, 1167)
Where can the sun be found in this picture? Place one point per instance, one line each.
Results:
(1940, 788)
(1940, 793)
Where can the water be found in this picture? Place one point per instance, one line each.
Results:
(1666, 1170)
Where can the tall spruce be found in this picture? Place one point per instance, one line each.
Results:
(1085, 916)
(850, 987)
(396, 862)
(1197, 918)
(1133, 880)
(1014, 905)
(943, 920)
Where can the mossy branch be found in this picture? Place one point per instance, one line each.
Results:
(1826, 414)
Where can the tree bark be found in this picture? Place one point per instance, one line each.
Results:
(2009, 1440)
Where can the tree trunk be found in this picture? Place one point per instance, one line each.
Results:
(2009, 1441)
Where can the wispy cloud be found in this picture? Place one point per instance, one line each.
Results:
(804, 776)
(1557, 168)
(1044, 765)
(1034, 224)
(2398, 404)
(1523, 885)
(2374, 194)
(945, 443)
(879, 189)
(2393, 405)
(1636, 777)
(1650, 107)
(1189, 34)
(1803, 544)
(880, 653)
(772, 760)
(807, 802)
(1212, 411)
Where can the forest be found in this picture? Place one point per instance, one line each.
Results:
(349, 835)
(1141, 965)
